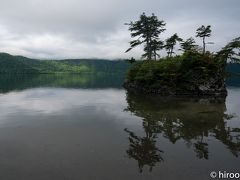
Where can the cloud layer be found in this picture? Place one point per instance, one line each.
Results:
(93, 28)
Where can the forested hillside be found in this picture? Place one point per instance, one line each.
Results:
(21, 65)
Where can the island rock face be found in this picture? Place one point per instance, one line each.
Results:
(188, 75)
(213, 87)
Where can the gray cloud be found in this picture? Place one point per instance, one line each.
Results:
(93, 28)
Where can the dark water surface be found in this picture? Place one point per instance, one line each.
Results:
(66, 127)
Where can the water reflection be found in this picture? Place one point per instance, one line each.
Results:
(194, 122)
(47, 131)
(144, 149)
(13, 82)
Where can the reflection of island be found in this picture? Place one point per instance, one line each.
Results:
(191, 121)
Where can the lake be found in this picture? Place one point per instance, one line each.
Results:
(72, 127)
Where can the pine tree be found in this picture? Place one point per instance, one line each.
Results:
(231, 51)
(147, 30)
(171, 42)
(204, 32)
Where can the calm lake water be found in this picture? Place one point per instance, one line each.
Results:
(72, 127)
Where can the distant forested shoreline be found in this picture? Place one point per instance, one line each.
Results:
(22, 65)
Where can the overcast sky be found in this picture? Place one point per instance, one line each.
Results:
(54, 29)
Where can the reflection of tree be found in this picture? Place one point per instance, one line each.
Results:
(230, 137)
(144, 149)
(201, 149)
(191, 120)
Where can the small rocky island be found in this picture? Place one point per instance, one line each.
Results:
(190, 74)
(195, 72)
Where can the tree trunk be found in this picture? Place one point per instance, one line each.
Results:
(204, 45)
(171, 51)
(149, 53)
(155, 55)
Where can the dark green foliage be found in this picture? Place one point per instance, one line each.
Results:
(231, 51)
(170, 43)
(17, 64)
(147, 30)
(176, 73)
(155, 46)
(188, 45)
(191, 73)
(155, 73)
(21, 65)
(204, 32)
(199, 69)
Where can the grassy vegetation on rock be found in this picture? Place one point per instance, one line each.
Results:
(190, 73)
